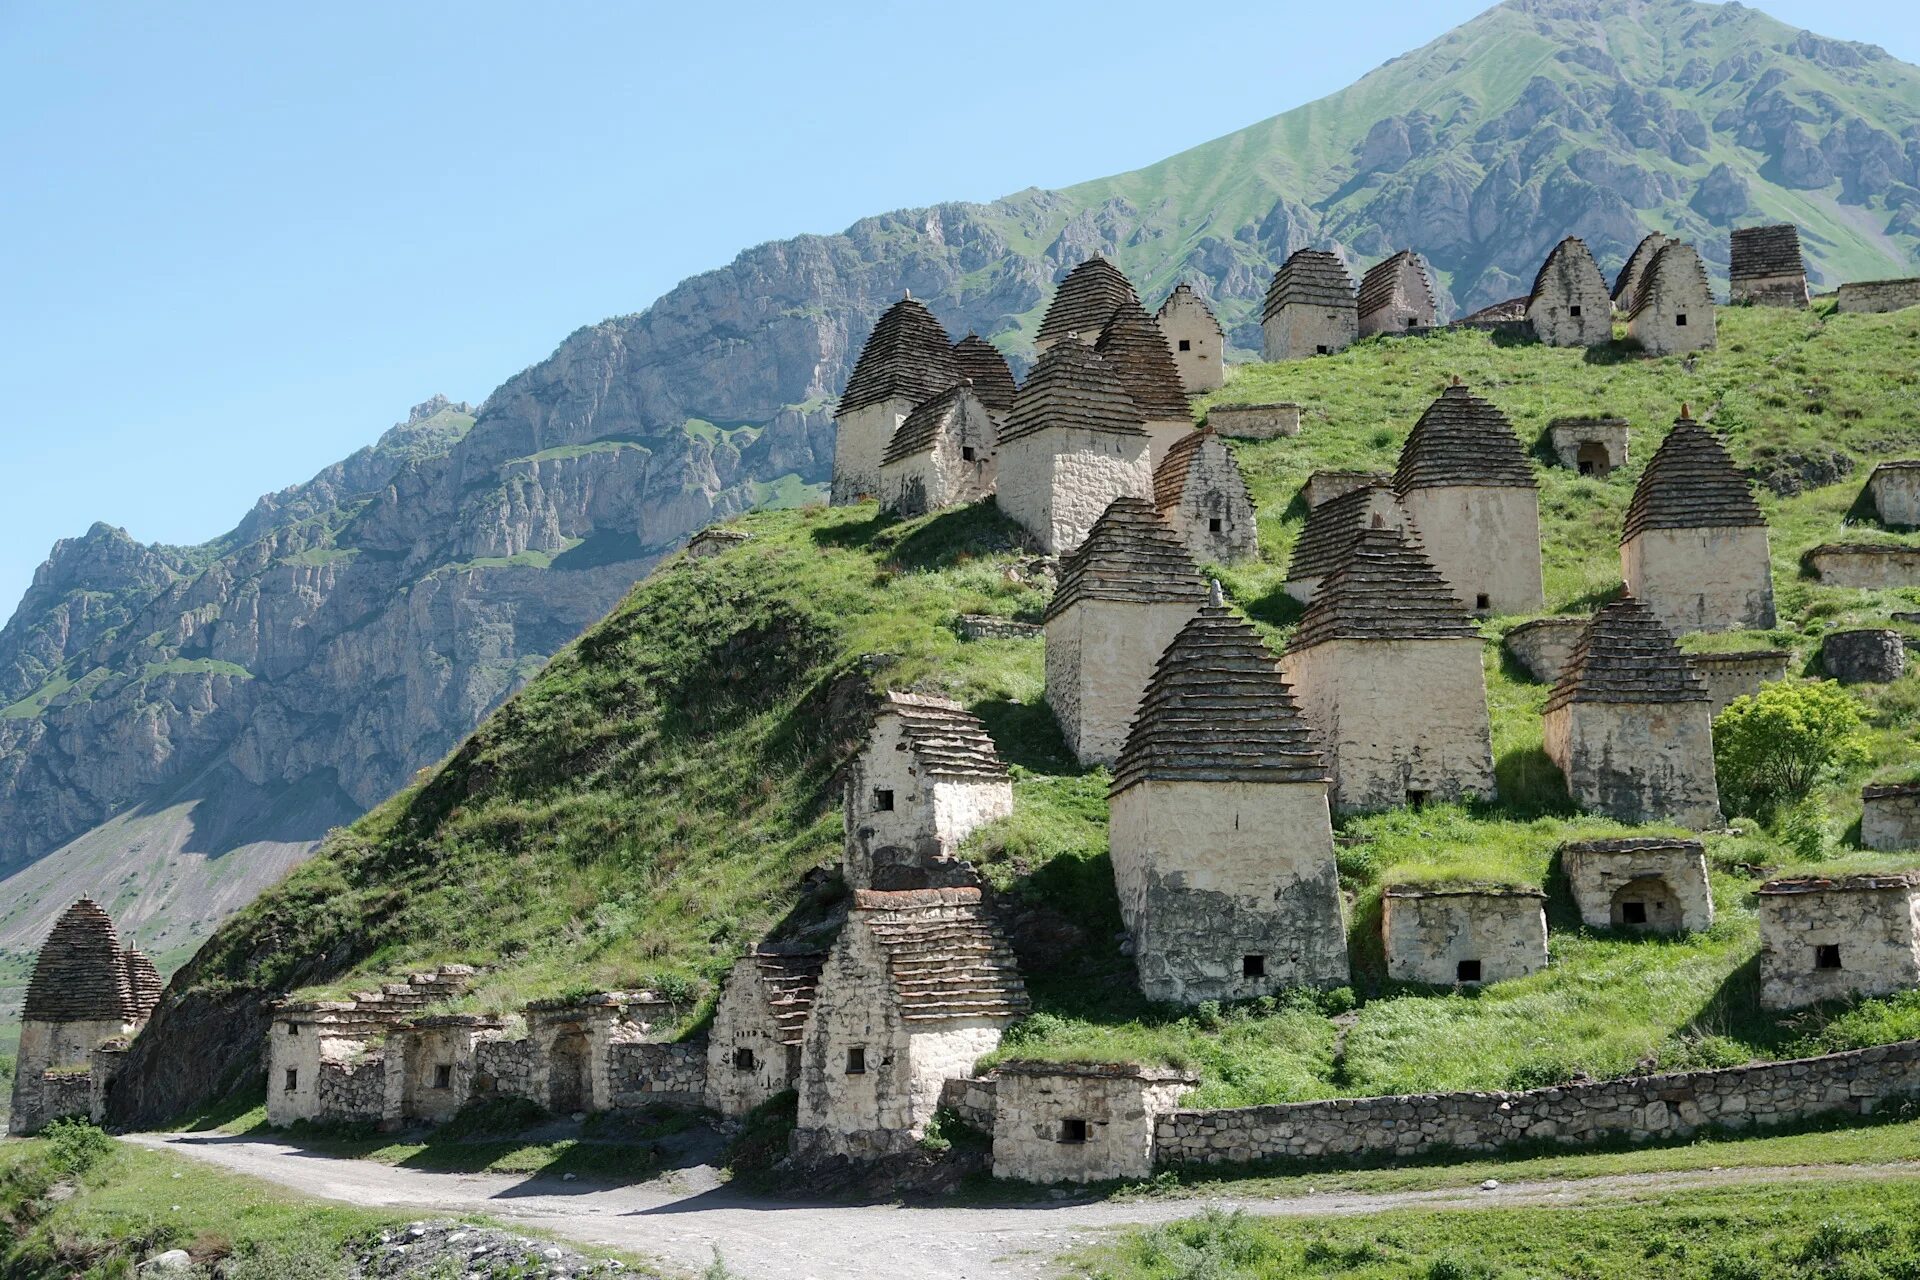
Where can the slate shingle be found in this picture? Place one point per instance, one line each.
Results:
(1130, 555)
(1463, 440)
(1073, 387)
(1086, 300)
(1310, 277)
(908, 354)
(1691, 483)
(1626, 656)
(1384, 588)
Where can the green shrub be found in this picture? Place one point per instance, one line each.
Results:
(1772, 748)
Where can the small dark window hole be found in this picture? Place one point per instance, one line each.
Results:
(1826, 956)
(883, 800)
(1253, 966)
(1574, 310)
(443, 1077)
(1213, 524)
(1633, 913)
(293, 1079)
(1680, 321)
(1483, 601)
(968, 454)
(857, 1062)
(1186, 344)
(1320, 350)
(1073, 1130)
(1467, 971)
(743, 1060)
(1417, 799)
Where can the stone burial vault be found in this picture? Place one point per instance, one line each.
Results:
(1310, 309)
(1463, 935)
(1396, 295)
(1673, 306)
(907, 360)
(1833, 939)
(1569, 306)
(1199, 491)
(942, 455)
(1331, 529)
(753, 1047)
(1199, 344)
(1136, 353)
(1645, 884)
(1087, 298)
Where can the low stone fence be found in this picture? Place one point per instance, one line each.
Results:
(1865, 565)
(353, 1092)
(63, 1095)
(642, 1074)
(504, 1069)
(1667, 1106)
(1255, 421)
(980, 626)
(1878, 295)
(972, 1099)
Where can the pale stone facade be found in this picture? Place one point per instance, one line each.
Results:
(1870, 296)
(1826, 939)
(1199, 491)
(1079, 1122)
(1591, 446)
(1738, 674)
(1626, 285)
(1865, 565)
(1198, 344)
(1673, 310)
(753, 1047)
(859, 439)
(906, 361)
(1545, 646)
(430, 1068)
(1654, 885)
(1221, 838)
(1890, 817)
(918, 987)
(941, 456)
(927, 779)
(1894, 489)
(1464, 936)
(1388, 668)
(1396, 296)
(1271, 421)
(306, 1043)
(1629, 724)
(1569, 306)
(1122, 598)
(1311, 308)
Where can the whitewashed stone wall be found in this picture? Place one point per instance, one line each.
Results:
(1864, 296)
(1431, 933)
(944, 476)
(1210, 874)
(1895, 491)
(1638, 763)
(1572, 307)
(1325, 486)
(1484, 541)
(1100, 655)
(347, 1049)
(1405, 720)
(1058, 1122)
(743, 1022)
(1194, 337)
(1866, 566)
(63, 1049)
(1162, 435)
(859, 439)
(1215, 517)
(1255, 421)
(929, 817)
(1669, 880)
(430, 1070)
(1712, 579)
(1739, 674)
(1890, 818)
(1590, 446)
(1667, 1107)
(1297, 331)
(1545, 645)
(1677, 320)
(1876, 934)
(1055, 483)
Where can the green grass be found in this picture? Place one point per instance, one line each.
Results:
(645, 808)
(1862, 1228)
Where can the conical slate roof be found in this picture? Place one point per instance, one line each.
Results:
(1376, 287)
(1627, 284)
(918, 432)
(1130, 555)
(81, 975)
(1072, 387)
(1676, 266)
(981, 361)
(1385, 588)
(1331, 528)
(1571, 245)
(1625, 655)
(907, 354)
(949, 741)
(1767, 251)
(1218, 710)
(1311, 277)
(1086, 300)
(1463, 440)
(1175, 472)
(1136, 350)
(945, 957)
(143, 984)
(1691, 483)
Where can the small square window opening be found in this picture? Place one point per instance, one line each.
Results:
(968, 453)
(743, 1060)
(1680, 321)
(1186, 344)
(857, 1061)
(1073, 1130)
(1320, 350)
(1574, 310)
(1826, 956)
(1483, 601)
(1467, 971)
(443, 1077)
(883, 800)
(1213, 524)
(292, 1079)
(1633, 913)
(1253, 966)
(1417, 799)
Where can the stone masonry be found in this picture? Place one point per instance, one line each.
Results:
(927, 779)
(1324, 486)
(1221, 837)
(1568, 306)
(907, 360)
(1122, 598)
(1079, 1122)
(1310, 309)
(1396, 295)
(1198, 343)
(1673, 309)
(1651, 885)
(1834, 939)
(1591, 446)
(1767, 269)
(1864, 655)
(1890, 817)
(1626, 286)
(1463, 935)
(1199, 491)
(1868, 566)
(1087, 298)
(941, 456)
(1868, 296)
(1894, 489)
(753, 1047)
(1738, 674)
(1332, 528)
(1545, 646)
(1135, 352)
(1273, 421)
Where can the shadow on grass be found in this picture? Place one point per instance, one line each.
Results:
(1026, 734)
(1618, 351)
(1276, 608)
(1531, 786)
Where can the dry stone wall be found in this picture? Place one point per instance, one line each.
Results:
(1830, 940)
(1717, 578)
(1255, 421)
(644, 1074)
(1463, 936)
(1638, 762)
(1545, 645)
(1666, 878)
(1890, 817)
(1739, 674)
(1056, 482)
(1864, 655)
(1867, 566)
(1878, 295)
(1061, 1122)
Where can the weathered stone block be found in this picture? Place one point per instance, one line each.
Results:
(1867, 655)
(1865, 296)
(1463, 936)
(1255, 421)
(1068, 1122)
(1890, 817)
(1544, 645)
(1738, 674)
(1590, 446)
(1823, 939)
(1657, 885)
(1865, 565)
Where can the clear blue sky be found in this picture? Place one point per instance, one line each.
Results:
(238, 240)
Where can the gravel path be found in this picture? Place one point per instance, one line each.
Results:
(682, 1218)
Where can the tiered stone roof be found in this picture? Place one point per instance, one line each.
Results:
(1086, 300)
(944, 957)
(1691, 483)
(1311, 277)
(922, 427)
(1218, 710)
(1136, 351)
(1331, 528)
(791, 981)
(1511, 311)
(1463, 440)
(1072, 387)
(1384, 588)
(1626, 655)
(1572, 244)
(992, 376)
(1626, 285)
(81, 975)
(1130, 555)
(1175, 472)
(948, 739)
(1376, 287)
(143, 984)
(908, 354)
(1677, 258)
(1767, 251)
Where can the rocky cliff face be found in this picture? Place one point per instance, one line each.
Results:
(350, 630)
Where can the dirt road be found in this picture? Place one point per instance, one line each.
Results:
(682, 1218)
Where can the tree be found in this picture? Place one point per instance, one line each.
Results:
(1772, 748)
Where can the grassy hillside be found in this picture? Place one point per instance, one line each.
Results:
(647, 807)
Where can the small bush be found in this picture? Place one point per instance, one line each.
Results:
(1772, 748)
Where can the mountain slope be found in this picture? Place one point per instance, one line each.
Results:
(351, 630)
(654, 800)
